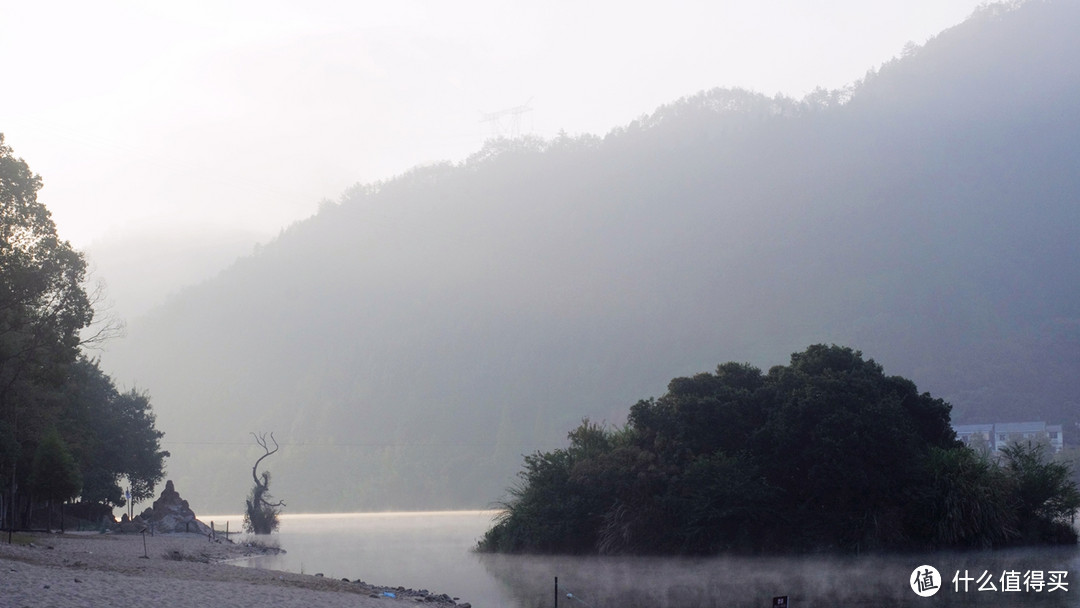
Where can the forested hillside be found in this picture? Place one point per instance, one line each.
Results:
(408, 343)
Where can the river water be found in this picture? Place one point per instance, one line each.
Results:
(433, 551)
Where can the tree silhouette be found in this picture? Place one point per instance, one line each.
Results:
(55, 476)
(261, 516)
(827, 453)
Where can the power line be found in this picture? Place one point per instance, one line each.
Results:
(358, 445)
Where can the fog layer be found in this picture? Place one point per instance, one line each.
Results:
(410, 342)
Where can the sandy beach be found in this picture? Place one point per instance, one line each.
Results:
(179, 571)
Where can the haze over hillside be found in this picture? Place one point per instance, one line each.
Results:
(409, 343)
(141, 270)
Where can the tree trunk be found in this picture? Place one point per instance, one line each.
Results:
(28, 512)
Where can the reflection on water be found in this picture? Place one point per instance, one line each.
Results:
(434, 551)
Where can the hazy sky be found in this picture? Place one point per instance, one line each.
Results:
(246, 114)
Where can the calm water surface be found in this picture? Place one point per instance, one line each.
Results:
(434, 551)
(429, 550)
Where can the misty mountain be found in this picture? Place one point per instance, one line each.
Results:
(408, 343)
(142, 269)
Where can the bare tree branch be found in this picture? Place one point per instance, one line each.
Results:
(262, 482)
(106, 325)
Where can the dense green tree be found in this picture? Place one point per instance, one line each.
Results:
(703, 414)
(559, 503)
(827, 452)
(544, 513)
(113, 435)
(58, 411)
(965, 500)
(846, 443)
(1046, 497)
(43, 305)
(54, 475)
(143, 461)
(723, 503)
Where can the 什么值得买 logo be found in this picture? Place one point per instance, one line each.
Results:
(925, 581)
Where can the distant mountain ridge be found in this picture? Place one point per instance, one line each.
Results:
(141, 269)
(409, 343)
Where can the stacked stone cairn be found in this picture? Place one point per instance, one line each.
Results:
(169, 514)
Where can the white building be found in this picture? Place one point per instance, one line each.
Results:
(998, 435)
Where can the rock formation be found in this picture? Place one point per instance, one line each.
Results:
(170, 513)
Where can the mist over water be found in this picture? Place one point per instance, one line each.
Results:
(820, 581)
(434, 551)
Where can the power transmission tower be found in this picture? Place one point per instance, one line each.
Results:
(506, 123)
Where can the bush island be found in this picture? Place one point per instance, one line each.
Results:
(826, 453)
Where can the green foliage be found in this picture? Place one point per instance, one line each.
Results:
(1046, 496)
(59, 413)
(9, 452)
(964, 499)
(43, 305)
(260, 515)
(142, 460)
(554, 508)
(113, 435)
(54, 475)
(825, 453)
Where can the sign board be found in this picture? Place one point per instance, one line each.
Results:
(780, 602)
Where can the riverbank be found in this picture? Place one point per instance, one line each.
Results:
(172, 571)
